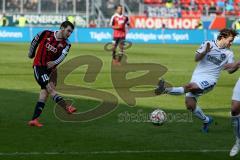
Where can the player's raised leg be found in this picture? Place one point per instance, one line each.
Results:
(193, 91)
(59, 99)
(162, 89)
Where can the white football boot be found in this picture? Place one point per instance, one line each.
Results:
(235, 149)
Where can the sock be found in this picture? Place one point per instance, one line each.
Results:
(175, 90)
(236, 126)
(38, 109)
(199, 113)
(60, 101)
(120, 56)
(114, 54)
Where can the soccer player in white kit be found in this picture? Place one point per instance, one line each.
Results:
(211, 57)
(235, 110)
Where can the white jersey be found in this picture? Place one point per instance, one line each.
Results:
(210, 66)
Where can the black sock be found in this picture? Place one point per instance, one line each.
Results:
(114, 54)
(120, 57)
(60, 101)
(38, 110)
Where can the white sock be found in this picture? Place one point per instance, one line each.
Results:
(236, 126)
(175, 90)
(199, 113)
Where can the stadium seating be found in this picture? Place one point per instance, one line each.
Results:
(197, 8)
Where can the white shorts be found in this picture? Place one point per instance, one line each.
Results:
(236, 91)
(204, 85)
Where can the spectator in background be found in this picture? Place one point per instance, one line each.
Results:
(92, 24)
(111, 4)
(3, 20)
(22, 20)
(236, 24)
(30, 5)
(220, 6)
(199, 25)
(229, 6)
(13, 5)
(212, 9)
(49, 5)
(169, 4)
(71, 19)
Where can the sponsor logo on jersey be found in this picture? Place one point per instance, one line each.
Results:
(51, 48)
(214, 60)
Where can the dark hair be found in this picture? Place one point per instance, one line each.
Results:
(225, 33)
(116, 7)
(65, 24)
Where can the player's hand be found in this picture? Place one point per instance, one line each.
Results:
(208, 48)
(50, 64)
(230, 66)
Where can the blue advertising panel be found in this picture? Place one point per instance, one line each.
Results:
(14, 34)
(143, 36)
(103, 35)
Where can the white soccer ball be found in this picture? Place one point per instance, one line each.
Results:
(158, 117)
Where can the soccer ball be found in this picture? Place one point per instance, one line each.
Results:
(158, 117)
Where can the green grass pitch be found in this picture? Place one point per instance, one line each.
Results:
(107, 137)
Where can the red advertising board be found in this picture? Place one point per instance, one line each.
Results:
(169, 23)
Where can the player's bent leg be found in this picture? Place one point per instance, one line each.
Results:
(235, 115)
(161, 89)
(191, 104)
(59, 99)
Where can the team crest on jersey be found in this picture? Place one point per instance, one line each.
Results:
(223, 57)
(60, 45)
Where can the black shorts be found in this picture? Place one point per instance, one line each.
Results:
(42, 75)
(116, 40)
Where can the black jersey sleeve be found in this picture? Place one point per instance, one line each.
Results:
(34, 44)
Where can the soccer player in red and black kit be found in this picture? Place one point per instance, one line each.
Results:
(119, 23)
(49, 48)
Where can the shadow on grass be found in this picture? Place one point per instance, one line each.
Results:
(109, 133)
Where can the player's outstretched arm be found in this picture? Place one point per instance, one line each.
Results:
(199, 56)
(232, 67)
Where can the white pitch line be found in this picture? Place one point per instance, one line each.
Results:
(112, 152)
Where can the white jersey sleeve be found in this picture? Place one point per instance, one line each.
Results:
(202, 47)
(111, 21)
(231, 58)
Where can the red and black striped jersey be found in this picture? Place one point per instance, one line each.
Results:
(120, 21)
(46, 47)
